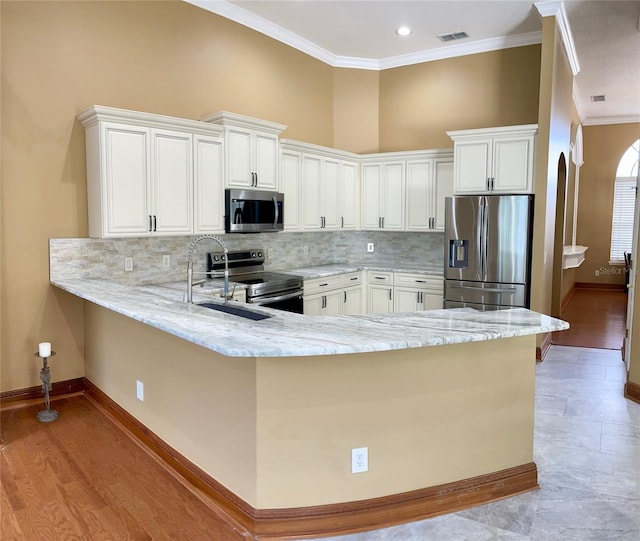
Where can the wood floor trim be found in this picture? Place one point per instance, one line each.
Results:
(334, 519)
(58, 388)
(606, 287)
(543, 349)
(632, 391)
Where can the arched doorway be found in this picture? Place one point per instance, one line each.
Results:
(558, 237)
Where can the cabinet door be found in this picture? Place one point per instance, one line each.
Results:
(312, 305)
(333, 303)
(393, 196)
(208, 184)
(380, 299)
(329, 193)
(406, 299)
(352, 301)
(265, 163)
(442, 188)
(172, 185)
(349, 199)
(419, 195)
(126, 190)
(472, 166)
(431, 300)
(311, 172)
(513, 165)
(291, 168)
(239, 158)
(371, 178)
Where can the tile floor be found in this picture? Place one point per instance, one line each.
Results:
(587, 449)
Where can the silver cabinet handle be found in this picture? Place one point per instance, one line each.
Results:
(345, 296)
(380, 277)
(323, 285)
(418, 299)
(383, 222)
(155, 222)
(150, 223)
(420, 281)
(342, 221)
(352, 279)
(390, 294)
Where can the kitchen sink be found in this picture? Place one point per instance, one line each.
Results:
(235, 310)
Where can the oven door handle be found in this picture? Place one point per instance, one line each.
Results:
(267, 300)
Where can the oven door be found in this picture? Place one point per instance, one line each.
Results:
(290, 301)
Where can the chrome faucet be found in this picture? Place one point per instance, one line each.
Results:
(192, 247)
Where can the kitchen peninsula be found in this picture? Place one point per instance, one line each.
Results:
(268, 411)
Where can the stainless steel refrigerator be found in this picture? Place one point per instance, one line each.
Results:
(488, 251)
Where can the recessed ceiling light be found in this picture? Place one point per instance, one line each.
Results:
(403, 30)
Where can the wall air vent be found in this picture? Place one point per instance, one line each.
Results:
(453, 36)
(598, 98)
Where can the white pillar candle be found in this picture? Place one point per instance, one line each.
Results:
(44, 349)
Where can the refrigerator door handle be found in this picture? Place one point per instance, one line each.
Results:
(486, 289)
(485, 249)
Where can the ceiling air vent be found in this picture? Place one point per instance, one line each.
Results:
(452, 37)
(598, 98)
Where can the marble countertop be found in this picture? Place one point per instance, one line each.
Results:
(286, 334)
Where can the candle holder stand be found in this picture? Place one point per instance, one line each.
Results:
(46, 415)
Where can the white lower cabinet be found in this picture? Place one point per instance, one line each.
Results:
(416, 292)
(334, 296)
(380, 292)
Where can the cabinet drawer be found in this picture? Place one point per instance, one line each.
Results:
(351, 279)
(418, 280)
(318, 285)
(376, 277)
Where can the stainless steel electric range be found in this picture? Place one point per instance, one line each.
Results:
(270, 289)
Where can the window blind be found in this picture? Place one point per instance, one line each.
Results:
(624, 202)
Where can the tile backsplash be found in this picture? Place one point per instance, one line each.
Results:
(104, 258)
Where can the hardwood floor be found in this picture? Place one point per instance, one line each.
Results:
(597, 318)
(81, 477)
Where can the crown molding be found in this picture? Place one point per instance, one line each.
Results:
(556, 9)
(246, 18)
(605, 120)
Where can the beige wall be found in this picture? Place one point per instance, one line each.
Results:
(554, 130)
(173, 58)
(163, 57)
(279, 432)
(355, 110)
(603, 148)
(420, 103)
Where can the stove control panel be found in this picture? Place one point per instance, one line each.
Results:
(236, 258)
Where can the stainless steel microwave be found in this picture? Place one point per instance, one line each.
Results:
(253, 211)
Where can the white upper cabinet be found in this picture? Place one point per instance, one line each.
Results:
(349, 196)
(328, 183)
(252, 150)
(290, 175)
(494, 160)
(140, 173)
(406, 190)
(208, 184)
(383, 195)
(172, 182)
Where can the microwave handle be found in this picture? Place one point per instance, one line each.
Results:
(276, 213)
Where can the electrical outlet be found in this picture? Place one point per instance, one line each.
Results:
(597, 272)
(140, 390)
(269, 253)
(360, 460)
(166, 261)
(305, 250)
(370, 247)
(128, 264)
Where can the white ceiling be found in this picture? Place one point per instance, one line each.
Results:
(361, 34)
